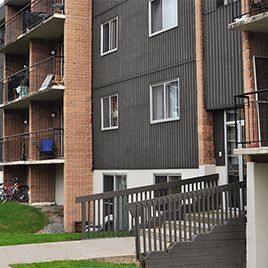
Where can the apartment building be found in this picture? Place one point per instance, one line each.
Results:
(164, 77)
(47, 98)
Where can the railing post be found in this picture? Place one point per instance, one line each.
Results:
(137, 233)
(83, 211)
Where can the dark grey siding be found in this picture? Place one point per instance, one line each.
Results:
(139, 62)
(218, 118)
(223, 57)
(137, 144)
(137, 53)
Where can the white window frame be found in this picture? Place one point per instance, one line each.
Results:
(109, 22)
(102, 121)
(114, 175)
(168, 175)
(152, 121)
(150, 20)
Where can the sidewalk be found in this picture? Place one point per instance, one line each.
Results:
(71, 250)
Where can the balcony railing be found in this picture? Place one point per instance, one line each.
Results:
(107, 211)
(37, 77)
(27, 18)
(163, 221)
(251, 8)
(252, 119)
(257, 7)
(33, 146)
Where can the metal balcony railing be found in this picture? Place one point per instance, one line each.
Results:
(27, 18)
(257, 7)
(251, 8)
(107, 212)
(163, 221)
(37, 77)
(32, 146)
(251, 118)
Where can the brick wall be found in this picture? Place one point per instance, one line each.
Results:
(205, 118)
(42, 6)
(40, 50)
(14, 26)
(16, 171)
(13, 64)
(42, 183)
(41, 119)
(77, 107)
(13, 124)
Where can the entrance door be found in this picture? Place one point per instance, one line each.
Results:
(235, 164)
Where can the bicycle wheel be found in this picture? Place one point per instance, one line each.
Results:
(22, 194)
(3, 197)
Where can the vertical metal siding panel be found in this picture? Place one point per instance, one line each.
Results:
(223, 53)
(137, 144)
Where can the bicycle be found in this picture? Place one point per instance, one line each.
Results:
(15, 191)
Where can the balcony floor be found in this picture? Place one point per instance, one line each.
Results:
(251, 151)
(51, 94)
(51, 28)
(33, 162)
(256, 23)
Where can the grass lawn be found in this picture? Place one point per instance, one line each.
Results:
(74, 264)
(19, 224)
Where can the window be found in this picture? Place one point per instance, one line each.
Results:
(164, 100)
(109, 36)
(163, 15)
(109, 112)
(166, 178)
(114, 183)
(221, 3)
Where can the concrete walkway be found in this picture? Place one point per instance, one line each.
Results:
(71, 250)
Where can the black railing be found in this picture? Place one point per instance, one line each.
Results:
(27, 18)
(31, 146)
(252, 119)
(37, 77)
(162, 221)
(252, 7)
(257, 7)
(107, 212)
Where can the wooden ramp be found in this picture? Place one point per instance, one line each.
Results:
(223, 247)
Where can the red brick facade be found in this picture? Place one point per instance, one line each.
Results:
(77, 107)
(205, 118)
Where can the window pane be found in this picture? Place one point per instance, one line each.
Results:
(174, 178)
(172, 100)
(158, 102)
(170, 13)
(156, 15)
(105, 112)
(160, 179)
(113, 34)
(114, 111)
(105, 38)
(121, 183)
(108, 183)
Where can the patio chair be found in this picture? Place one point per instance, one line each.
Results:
(46, 148)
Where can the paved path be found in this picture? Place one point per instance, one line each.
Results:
(71, 250)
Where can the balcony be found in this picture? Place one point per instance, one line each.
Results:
(252, 123)
(40, 19)
(42, 81)
(37, 147)
(255, 20)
